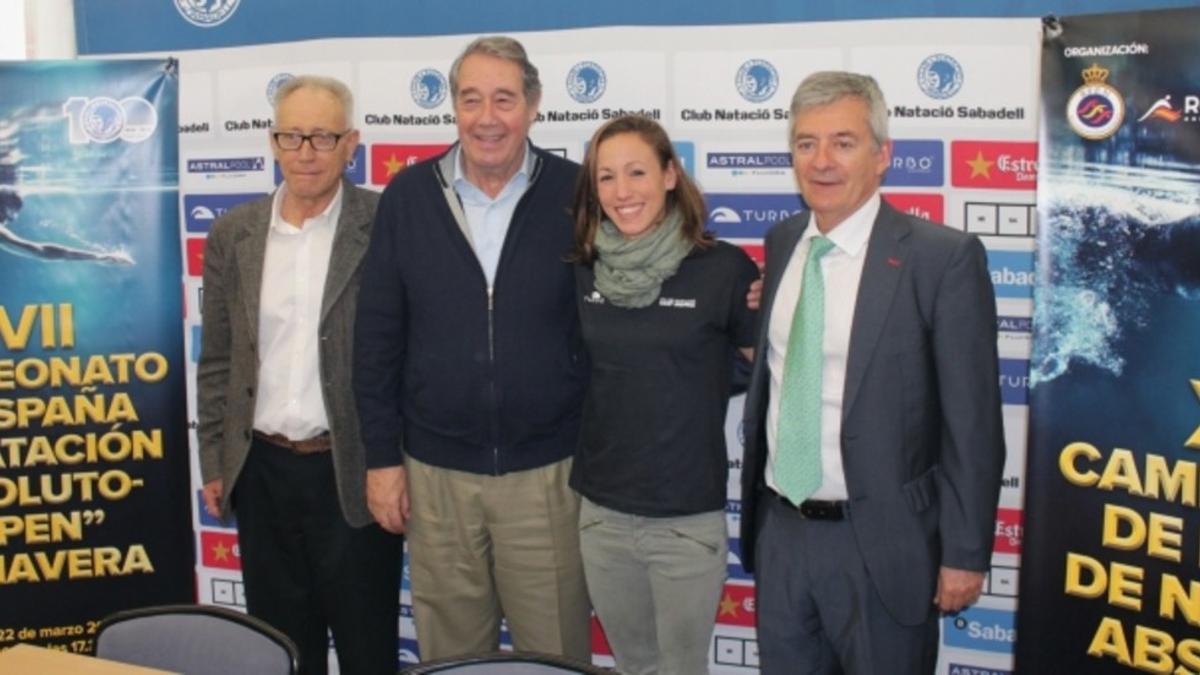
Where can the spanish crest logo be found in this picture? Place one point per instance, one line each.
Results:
(274, 85)
(586, 82)
(428, 88)
(1096, 110)
(206, 13)
(757, 80)
(940, 76)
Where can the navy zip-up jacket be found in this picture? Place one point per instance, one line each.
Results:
(446, 374)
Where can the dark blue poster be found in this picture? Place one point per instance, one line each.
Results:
(1110, 578)
(94, 511)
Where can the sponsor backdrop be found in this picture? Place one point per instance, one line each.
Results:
(1112, 548)
(962, 96)
(93, 444)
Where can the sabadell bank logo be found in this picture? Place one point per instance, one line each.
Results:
(940, 76)
(101, 119)
(428, 88)
(757, 80)
(586, 82)
(206, 13)
(274, 85)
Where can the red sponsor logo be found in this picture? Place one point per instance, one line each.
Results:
(927, 206)
(195, 256)
(220, 549)
(993, 164)
(388, 159)
(599, 639)
(1010, 530)
(737, 606)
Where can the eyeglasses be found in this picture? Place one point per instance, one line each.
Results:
(322, 141)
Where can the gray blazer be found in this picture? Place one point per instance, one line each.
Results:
(922, 440)
(227, 376)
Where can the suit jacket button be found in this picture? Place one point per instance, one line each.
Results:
(250, 391)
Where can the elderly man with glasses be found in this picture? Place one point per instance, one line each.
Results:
(279, 436)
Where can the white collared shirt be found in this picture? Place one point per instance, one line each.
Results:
(295, 266)
(841, 269)
(488, 218)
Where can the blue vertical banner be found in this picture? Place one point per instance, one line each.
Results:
(94, 510)
(1110, 570)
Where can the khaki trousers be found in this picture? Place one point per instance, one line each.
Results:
(483, 547)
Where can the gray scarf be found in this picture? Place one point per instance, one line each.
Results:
(630, 272)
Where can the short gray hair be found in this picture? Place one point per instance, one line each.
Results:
(331, 85)
(825, 87)
(501, 47)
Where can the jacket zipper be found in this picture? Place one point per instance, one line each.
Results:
(491, 320)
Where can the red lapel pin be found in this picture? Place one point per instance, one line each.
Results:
(894, 262)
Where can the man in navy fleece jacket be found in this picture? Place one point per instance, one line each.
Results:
(469, 373)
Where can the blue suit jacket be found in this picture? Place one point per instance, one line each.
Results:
(922, 440)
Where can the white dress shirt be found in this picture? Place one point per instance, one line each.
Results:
(841, 269)
(290, 400)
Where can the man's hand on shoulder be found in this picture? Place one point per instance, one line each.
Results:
(387, 497)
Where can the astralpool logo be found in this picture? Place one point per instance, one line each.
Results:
(749, 160)
(988, 630)
(916, 164)
(1014, 324)
(226, 165)
(742, 216)
(1012, 273)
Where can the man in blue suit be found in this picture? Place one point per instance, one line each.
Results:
(874, 445)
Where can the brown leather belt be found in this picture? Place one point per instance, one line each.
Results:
(308, 446)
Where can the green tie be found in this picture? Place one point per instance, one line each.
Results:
(798, 444)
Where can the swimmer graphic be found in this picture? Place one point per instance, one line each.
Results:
(10, 204)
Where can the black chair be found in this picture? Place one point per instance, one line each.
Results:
(197, 640)
(507, 663)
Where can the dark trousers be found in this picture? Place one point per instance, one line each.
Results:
(818, 611)
(307, 571)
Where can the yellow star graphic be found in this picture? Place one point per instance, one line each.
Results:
(1194, 441)
(728, 606)
(220, 551)
(980, 166)
(393, 166)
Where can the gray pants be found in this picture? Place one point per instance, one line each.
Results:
(655, 584)
(818, 611)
